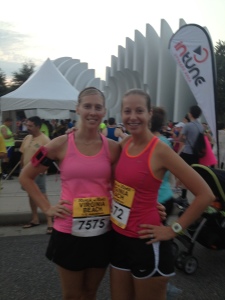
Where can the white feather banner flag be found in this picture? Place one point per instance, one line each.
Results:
(192, 49)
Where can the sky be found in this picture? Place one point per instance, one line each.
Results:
(92, 30)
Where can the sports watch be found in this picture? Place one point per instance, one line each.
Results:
(177, 228)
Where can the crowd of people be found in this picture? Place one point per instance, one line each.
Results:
(52, 128)
(109, 201)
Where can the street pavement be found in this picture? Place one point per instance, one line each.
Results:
(26, 274)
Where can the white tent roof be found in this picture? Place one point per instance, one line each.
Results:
(45, 89)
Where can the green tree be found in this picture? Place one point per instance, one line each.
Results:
(3, 83)
(22, 75)
(220, 85)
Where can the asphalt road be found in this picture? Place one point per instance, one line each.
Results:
(26, 274)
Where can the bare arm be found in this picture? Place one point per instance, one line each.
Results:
(3, 155)
(163, 159)
(5, 135)
(55, 151)
(105, 131)
(114, 149)
(21, 161)
(119, 133)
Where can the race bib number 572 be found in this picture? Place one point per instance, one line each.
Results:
(123, 197)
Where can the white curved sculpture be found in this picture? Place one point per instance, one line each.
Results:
(143, 63)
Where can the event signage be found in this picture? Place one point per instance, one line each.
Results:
(192, 49)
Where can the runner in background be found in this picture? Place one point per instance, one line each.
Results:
(9, 140)
(112, 131)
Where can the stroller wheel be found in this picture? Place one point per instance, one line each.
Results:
(179, 263)
(190, 265)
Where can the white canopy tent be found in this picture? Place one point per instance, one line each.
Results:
(46, 93)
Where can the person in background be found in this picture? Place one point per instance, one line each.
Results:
(165, 194)
(3, 154)
(170, 124)
(177, 145)
(24, 126)
(69, 123)
(112, 131)
(54, 123)
(209, 159)
(60, 129)
(50, 128)
(221, 143)
(3, 151)
(74, 123)
(103, 125)
(18, 125)
(44, 128)
(142, 260)
(186, 119)
(31, 143)
(208, 133)
(9, 140)
(188, 136)
(123, 129)
(167, 130)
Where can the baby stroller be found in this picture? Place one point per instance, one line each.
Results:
(209, 229)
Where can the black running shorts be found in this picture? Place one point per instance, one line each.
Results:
(79, 253)
(142, 260)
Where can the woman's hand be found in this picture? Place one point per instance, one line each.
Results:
(155, 233)
(162, 211)
(59, 210)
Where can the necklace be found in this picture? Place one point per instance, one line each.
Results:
(86, 143)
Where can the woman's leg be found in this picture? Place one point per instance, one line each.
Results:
(72, 283)
(80, 285)
(92, 280)
(121, 285)
(153, 288)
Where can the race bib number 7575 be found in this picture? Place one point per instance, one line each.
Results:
(91, 216)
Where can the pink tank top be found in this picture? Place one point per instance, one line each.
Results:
(83, 177)
(138, 182)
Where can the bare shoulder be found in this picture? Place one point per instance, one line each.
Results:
(105, 131)
(162, 147)
(124, 141)
(113, 145)
(164, 156)
(164, 152)
(57, 146)
(114, 149)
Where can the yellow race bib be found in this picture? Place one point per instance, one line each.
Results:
(91, 216)
(123, 197)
